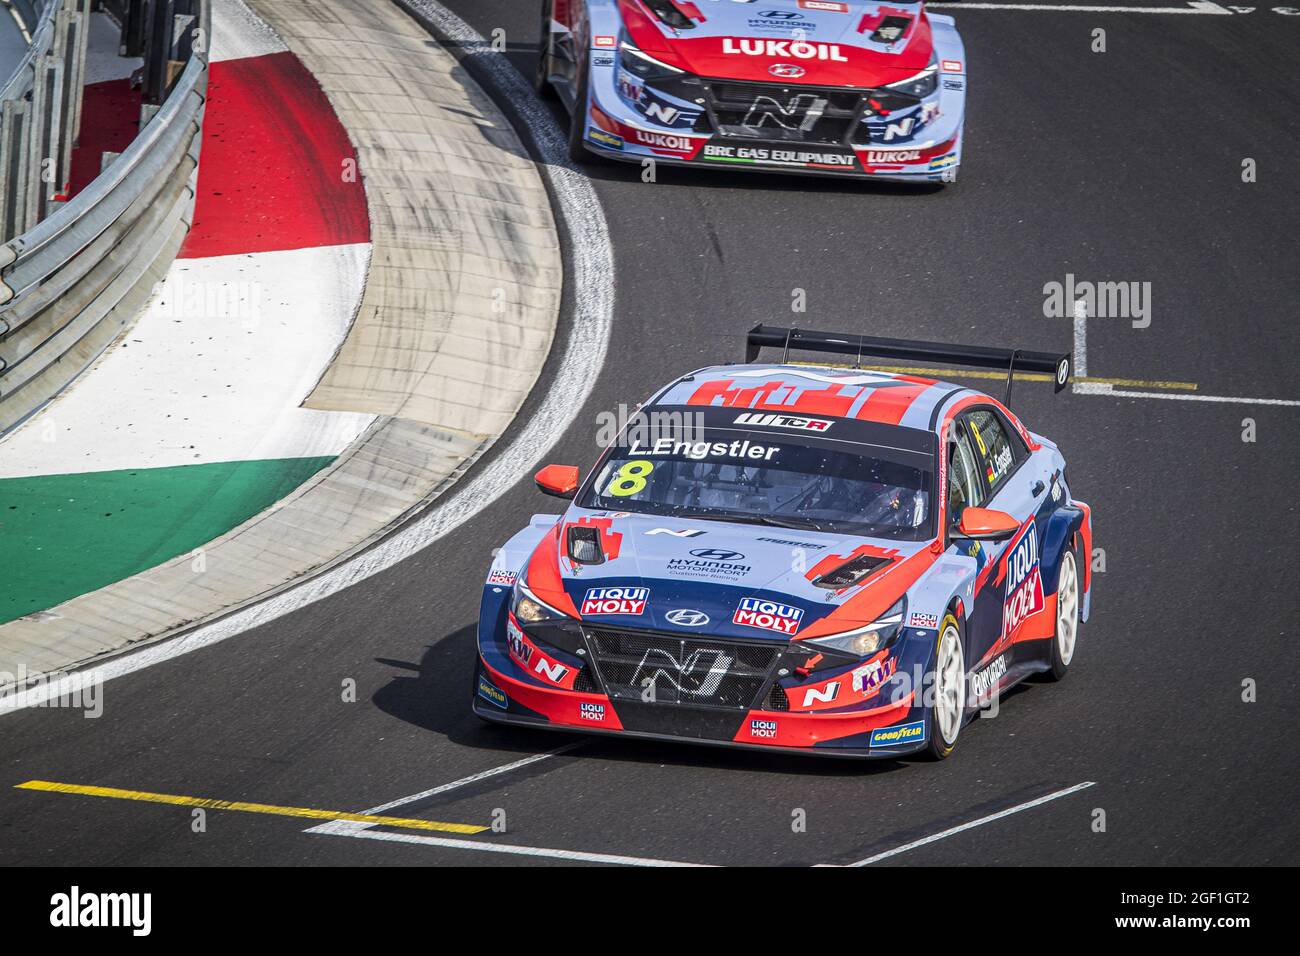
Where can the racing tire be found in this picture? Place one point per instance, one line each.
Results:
(948, 710)
(578, 121)
(542, 77)
(1065, 636)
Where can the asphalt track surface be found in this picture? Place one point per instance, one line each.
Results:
(1117, 166)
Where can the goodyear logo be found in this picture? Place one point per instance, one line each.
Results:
(605, 139)
(898, 734)
(490, 692)
(943, 161)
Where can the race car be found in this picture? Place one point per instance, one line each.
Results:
(805, 558)
(837, 87)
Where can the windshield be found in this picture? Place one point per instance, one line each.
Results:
(852, 489)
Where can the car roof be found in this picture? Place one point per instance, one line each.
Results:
(890, 398)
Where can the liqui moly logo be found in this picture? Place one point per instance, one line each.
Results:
(785, 49)
(769, 615)
(1024, 581)
(763, 729)
(615, 601)
(590, 711)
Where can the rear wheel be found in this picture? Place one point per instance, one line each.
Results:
(1067, 616)
(949, 707)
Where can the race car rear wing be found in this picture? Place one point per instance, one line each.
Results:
(866, 346)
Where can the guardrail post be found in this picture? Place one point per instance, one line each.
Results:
(14, 124)
(45, 113)
(161, 24)
(81, 11)
(134, 28)
(70, 48)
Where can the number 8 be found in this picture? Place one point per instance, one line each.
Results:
(631, 478)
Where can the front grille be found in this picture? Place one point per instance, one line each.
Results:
(787, 114)
(585, 681)
(777, 699)
(660, 669)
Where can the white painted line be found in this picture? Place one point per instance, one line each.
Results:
(338, 827)
(576, 856)
(1106, 388)
(1080, 340)
(975, 823)
(239, 33)
(474, 778)
(592, 263)
(1101, 388)
(1194, 7)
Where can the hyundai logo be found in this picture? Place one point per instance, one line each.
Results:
(685, 617)
(788, 70)
(781, 15)
(717, 554)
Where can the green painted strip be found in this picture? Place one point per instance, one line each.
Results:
(65, 535)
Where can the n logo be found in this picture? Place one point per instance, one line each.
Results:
(699, 675)
(551, 670)
(902, 128)
(801, 113)
(664, 114)
(825, 696)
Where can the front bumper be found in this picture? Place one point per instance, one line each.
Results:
(929, 153)
(869, 733)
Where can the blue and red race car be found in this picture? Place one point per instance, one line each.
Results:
(839, 87)
(811, 558)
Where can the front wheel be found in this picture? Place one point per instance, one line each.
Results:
(949, 706)
(542, 78)
(578, 121)
(1067, 616)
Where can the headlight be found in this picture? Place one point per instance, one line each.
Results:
(528, 608)
(642, 64)
(865, 641)
(921, 85)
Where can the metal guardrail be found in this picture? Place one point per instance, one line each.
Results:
(40, 113)
(77, 276)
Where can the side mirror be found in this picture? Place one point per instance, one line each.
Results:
(558, 480)
(985, 524)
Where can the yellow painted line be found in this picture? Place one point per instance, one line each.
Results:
(1002, 376)
(48, 786)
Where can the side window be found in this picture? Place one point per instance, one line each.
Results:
(1001, 453)
(964, 486)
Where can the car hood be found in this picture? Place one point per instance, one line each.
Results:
(655, 566)
(793, 42)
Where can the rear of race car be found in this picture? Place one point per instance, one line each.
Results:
(839, 87)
